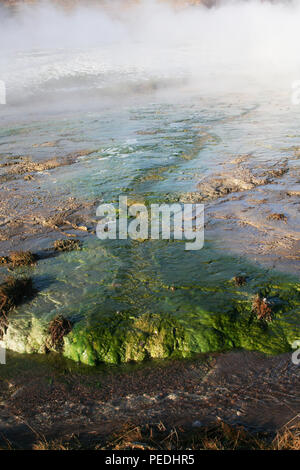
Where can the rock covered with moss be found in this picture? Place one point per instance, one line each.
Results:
(216, 313)
(123, 338)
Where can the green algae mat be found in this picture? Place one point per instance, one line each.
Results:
(131, 301)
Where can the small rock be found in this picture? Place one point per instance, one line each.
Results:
(197, 424)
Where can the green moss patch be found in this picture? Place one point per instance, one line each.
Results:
(123, 338)
(142, 302)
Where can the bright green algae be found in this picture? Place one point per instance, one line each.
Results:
(154, 300)
(124, 338)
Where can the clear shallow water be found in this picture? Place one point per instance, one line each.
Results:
(153, 144)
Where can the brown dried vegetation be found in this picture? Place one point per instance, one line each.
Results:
(240, 280)
(67, 245)
(277, 217)
(12, 293)
(219, 436)
(22, 258)
(262, 308)
(26, 165)
(19, 258)
(58, 328)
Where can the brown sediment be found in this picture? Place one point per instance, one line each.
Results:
(24, 218)
(26, 165)
(293, 193)
(12, 293)
(240, 179)
(28, 177)
(66, 217)
(82, 153)
(240, 159)
(67, 245)
(242, 389)
(46, 144)
(243, 207)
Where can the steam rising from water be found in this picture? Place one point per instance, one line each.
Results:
(47, 52)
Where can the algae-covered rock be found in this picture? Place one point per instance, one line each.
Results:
(138, 316)
(26, 335)
(239, 327)
(124, 338)
(213, 325)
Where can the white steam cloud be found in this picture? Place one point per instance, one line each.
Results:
(91, 47)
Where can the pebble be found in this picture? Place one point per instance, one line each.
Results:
(197, 424)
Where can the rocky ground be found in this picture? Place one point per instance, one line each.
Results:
(253, 208)
(63, 402)
(31, 215)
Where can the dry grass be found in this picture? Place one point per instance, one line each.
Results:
(287, 439)
(12, 293)
(58, 328)
(19, 258)
(220, 436)
(51, 445)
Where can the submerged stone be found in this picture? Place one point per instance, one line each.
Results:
(26, 335)
(123, 338)
(205, 312)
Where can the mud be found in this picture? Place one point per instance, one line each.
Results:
(239, 388)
